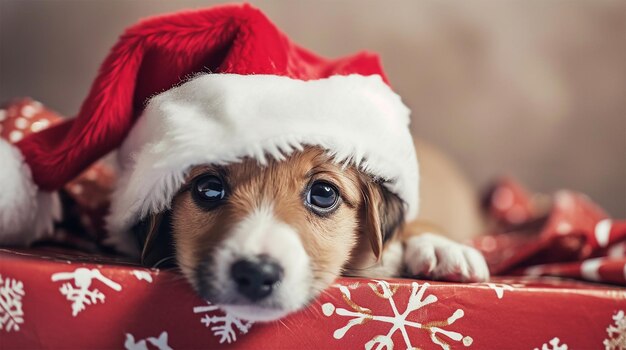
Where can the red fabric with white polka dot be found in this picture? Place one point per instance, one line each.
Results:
(23, 117)
(561, 235)
(86, 197)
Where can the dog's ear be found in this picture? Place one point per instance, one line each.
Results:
(154, 234)
(382, 214)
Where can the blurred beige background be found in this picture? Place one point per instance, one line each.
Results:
(535, 89)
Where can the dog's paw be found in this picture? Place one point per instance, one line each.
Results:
(436, 257)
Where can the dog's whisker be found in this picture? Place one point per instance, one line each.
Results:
(163, 261)
(284, 323)
(314, 311)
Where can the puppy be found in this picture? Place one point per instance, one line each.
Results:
(262, 241)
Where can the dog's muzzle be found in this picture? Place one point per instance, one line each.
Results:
(256, 278)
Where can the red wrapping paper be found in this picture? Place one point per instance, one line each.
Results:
(72, 304)
(571, 237)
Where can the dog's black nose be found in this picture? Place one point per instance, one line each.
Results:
(256, 278)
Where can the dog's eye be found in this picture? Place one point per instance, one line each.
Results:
(322, 196)
(208, 190)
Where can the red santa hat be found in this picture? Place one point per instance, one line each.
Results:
(212, 86)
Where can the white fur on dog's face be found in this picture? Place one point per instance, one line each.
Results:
(262, 233)
(265, 215)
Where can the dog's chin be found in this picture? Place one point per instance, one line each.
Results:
(255, 313)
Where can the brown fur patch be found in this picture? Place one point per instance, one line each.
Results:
(381, 217)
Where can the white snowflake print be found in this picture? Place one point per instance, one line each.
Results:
(499, 288)
(224, 324)
(142, 275)
(160, 342)
(399, 320)
(11, 313)
(616, 333)
(553, 344)
(79, 292)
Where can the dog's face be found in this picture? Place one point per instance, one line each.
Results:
(263, 241)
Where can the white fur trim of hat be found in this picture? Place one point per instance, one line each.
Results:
(221, 118)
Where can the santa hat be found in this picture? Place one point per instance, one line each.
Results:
(213, 86)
